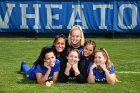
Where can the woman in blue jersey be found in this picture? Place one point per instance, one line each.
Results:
(45, 69)
(102, 70)
(76, 38)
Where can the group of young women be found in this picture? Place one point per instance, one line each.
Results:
(72, 59)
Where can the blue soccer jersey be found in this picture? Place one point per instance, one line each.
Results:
(38, 69)
(100, 75)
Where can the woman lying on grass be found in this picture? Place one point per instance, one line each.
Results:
(102, 70)
(73, 69)
(45, 69)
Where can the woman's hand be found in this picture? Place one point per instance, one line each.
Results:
(67, 70)
(47, 66)
(49, 83)
(68, 66)
(93, 66)
(75, 68)
(103, 66)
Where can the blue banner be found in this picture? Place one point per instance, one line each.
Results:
(59, 16)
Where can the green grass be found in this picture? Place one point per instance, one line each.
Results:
(125, 54)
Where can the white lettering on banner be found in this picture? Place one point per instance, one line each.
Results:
(77, 9)
(4, 24)
(50, 17)
(103, 11)
(25, 16)
(134, 16)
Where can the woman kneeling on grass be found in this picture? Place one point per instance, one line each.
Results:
(45, 69)
(102, 70)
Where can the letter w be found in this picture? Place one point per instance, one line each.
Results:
(4, 23)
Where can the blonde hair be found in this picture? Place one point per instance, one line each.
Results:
(77, 27)
(106, 55)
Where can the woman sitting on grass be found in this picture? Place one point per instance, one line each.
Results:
(45, 69)
(102, 70)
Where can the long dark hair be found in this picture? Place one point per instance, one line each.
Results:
(66, 44)
(40, 59)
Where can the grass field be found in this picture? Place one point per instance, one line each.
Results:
(125, 54)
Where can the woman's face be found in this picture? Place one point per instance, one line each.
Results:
(99, 58)
(88, 50)
(73, 57)
(50, 59)
(60, 44)
(75, 37)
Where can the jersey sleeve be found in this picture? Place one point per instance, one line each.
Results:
(112, 70)
(57, 66)
(88, 69)
(38, 69)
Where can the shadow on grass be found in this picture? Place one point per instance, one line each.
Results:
(25, 80)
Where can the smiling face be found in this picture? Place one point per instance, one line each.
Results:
(60, 44)
(88, 50)
(73, 57)
(50, 59)
(99, 58)
(75, 37)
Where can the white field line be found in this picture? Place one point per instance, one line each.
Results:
(128, 72)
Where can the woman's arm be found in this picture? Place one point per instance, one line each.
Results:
(66, 73)
(42, 78)
(91, 77)
(76, 70)
(55, 76)
(111, 78)
(67, 70)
